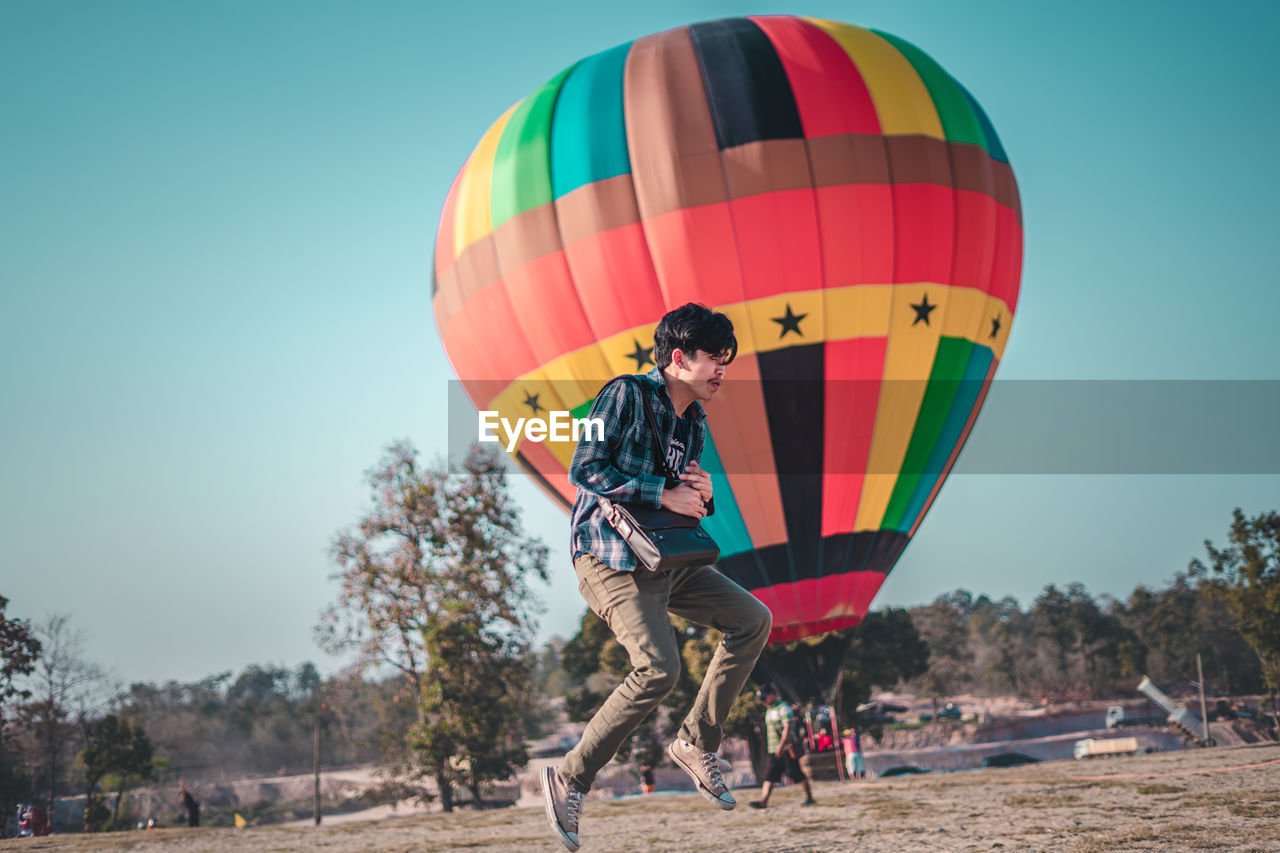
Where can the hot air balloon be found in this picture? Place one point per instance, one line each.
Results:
(836, 193)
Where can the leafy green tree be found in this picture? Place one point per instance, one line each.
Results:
(1246, 575)
(1186, 618)
(19, 651)
(944, 625)
(438, 568)
(1081, 650)
(113, 747)
(997, 630)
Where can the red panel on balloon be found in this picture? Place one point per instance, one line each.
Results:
(777, 238)
(1008, 264)
(829, 92)
(855, 590)
(546, 302)
(695, 255)
(924, 218)
(496, 330)
(975, 245)
(856, 227)
(616, 281)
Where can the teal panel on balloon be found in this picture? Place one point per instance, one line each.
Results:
(589, 131)
(726, 525)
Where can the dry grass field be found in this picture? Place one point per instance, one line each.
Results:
(1223, 799)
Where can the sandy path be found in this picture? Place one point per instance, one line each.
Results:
(1220, 799)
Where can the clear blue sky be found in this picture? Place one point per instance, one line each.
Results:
(216, 223)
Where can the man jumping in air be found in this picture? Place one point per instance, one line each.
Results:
(692, 347)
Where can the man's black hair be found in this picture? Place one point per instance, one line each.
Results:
(766, 689)
(694, 327)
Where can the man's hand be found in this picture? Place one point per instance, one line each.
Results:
(685, 500)
(699, 479)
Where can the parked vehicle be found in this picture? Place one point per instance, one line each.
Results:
(903, 770)
(1118, 716)
(1009, 759)
(1106, 747)
(881, 712)
(948, 712)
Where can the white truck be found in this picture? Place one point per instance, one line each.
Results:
(1179, 717)
(1118, 716)
(1106, 747)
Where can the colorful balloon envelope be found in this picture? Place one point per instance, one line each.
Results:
(836, 193)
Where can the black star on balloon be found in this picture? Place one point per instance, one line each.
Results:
(923, 310)
(995, 325)
(789, 322)
(531, 400)
(642, 355)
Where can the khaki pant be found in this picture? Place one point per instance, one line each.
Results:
(635, 606)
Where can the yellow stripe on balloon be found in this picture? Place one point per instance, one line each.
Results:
(614, 350)
(860, 311)
(473, 216)
(550, 395)
(996, 308)
(901, 98)
(908, 361)
(769, 335)
(856, 311)
(965, 307)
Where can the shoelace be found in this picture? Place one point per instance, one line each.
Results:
(711, 762)
(573, 805)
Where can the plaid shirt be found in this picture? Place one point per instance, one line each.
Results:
(622, 467)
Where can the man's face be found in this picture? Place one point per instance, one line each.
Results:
(702, 372)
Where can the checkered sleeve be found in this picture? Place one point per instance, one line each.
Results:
(593, 468)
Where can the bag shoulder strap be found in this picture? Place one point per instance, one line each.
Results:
(663, 467)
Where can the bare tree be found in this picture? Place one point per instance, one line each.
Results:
(68, 689)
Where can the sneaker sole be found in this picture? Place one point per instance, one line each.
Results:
(550, 805)
(701, 790)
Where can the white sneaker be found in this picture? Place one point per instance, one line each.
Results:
(704, 769)
(564, 807)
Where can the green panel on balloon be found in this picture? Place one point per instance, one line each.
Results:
(993, 145)
(971, 386)
(958, 121)
(522, 163)
(944, 382)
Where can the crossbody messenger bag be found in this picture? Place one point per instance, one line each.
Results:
(662, 540)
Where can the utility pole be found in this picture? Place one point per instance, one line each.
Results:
(316, 756)
(1204, 714)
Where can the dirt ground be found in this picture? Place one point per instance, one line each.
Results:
(1226, 799)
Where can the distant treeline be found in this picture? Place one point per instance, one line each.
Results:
(1069, 645)
(261, 721)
